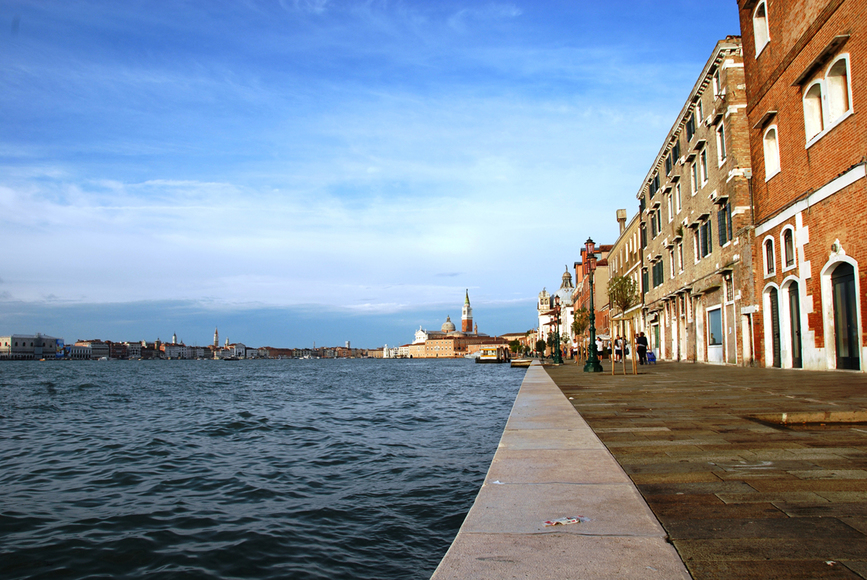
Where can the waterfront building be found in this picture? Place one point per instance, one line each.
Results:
(78, 352)
(467, 316)
(695, 222)
(806, 83)
(546, 308)
(98, 348)
(624, 260)
(30, 347)
(581, 294)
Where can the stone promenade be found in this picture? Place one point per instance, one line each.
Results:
(753, 473)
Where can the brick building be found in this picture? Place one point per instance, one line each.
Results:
(696, 221)
(806, 72)
(581, 294)
(625, 260)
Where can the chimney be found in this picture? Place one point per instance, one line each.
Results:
(621, 219)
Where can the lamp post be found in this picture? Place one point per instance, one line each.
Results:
(592, 365)
(556, 356)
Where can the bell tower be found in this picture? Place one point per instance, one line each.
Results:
(467, 315)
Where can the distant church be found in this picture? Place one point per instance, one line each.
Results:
(448, 328)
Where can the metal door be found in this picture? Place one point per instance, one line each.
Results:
(775, 326)
(795, 320)
(845, 323)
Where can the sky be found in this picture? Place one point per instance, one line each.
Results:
(300, 171)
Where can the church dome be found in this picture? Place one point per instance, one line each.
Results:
(448, 325)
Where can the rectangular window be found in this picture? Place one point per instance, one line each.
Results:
(654, 185)
(675, 151)
(706, 243)
(670, 207)
(724, 222)
(694, 183)
(716, 83)
(680, 256)
(668, 163)
(714, 325)
(721, 143)
(671, 262)
(658, 273)
(703, 166)
(658, 215)
(643, 231)
(699, 110)
(644, 281)
(677, 198)
(653, 229)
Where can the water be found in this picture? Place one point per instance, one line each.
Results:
(248, 469)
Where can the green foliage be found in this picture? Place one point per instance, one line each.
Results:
(622, 292)
(514, 346)
(540, 345)
(581, 321)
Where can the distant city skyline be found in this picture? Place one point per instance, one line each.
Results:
(313, 170)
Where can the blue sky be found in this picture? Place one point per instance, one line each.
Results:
(321, 170)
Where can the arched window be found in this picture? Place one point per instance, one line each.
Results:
(760, 27)
(788, 248)
(837, 85)
(772, 152)
(814, 121)
(770, 260)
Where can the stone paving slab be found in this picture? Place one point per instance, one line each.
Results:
(742, 493)
(550, 465)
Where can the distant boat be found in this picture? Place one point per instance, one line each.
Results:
(102, 358)
(491, 354)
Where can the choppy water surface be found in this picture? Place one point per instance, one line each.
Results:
(247, 469)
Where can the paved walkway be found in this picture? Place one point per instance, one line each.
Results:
(741, 494)
(549, 465)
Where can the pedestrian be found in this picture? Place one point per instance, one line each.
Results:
(641, 347)
(618, 349)
(599, 350)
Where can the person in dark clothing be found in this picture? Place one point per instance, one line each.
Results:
(641, 348)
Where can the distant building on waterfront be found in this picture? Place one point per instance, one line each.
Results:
(30, 347)
(448, 341)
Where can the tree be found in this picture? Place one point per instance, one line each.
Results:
(581, 321)
(623, 295)
(540, 346)
(514, 345)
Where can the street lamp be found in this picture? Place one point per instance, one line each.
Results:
(556, 356)
(592, 365)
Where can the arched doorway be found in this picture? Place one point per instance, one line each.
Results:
(795, 325)
(846, 325)
(774, 297)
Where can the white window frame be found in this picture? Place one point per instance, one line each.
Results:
(834, 118)
(822, 108)
(814, 111)
(771, 169)
(670, 208)
(770, 269)
(704, 168)
(677, 198)
(783, 249)
(721, 151)
(761, 29)
(693, 177)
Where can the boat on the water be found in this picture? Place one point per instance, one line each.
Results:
(492, 354)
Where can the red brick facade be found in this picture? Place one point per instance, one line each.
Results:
(806, 72)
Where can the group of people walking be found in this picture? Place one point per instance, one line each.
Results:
(621, 348)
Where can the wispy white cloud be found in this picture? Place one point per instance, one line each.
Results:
(461, 19)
